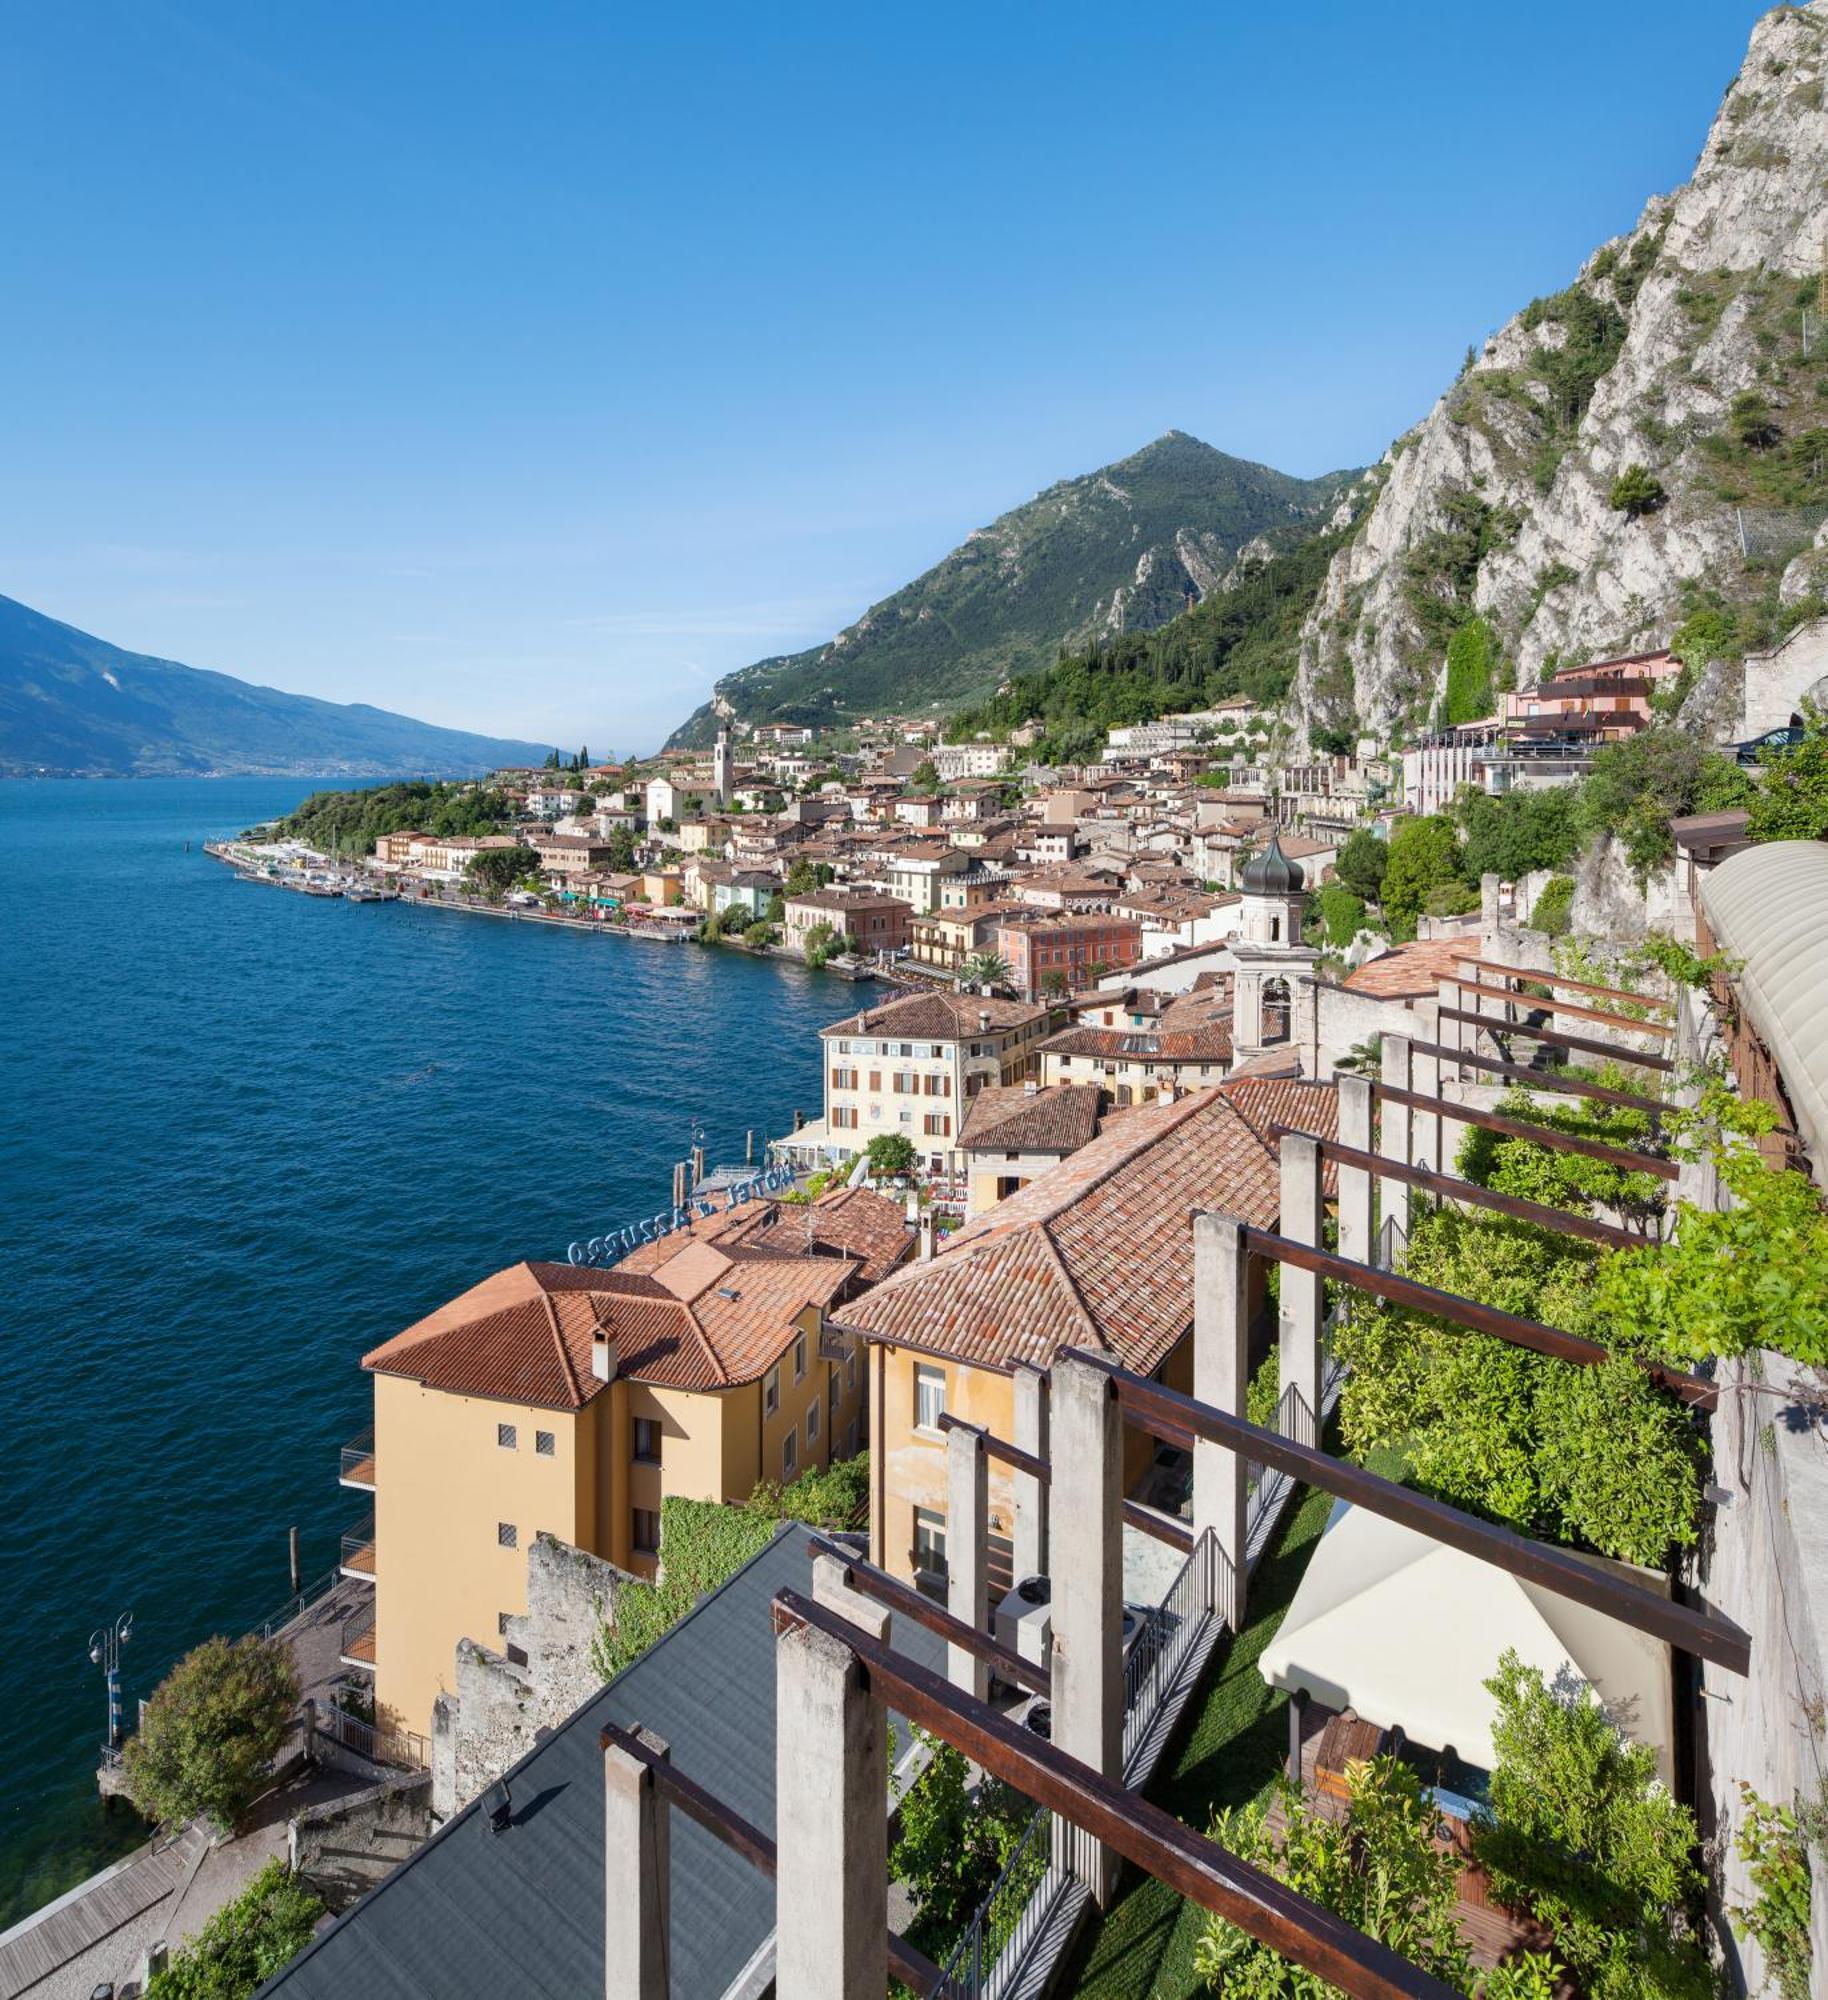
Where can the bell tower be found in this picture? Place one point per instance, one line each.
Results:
(720, 767)
(1271, 992)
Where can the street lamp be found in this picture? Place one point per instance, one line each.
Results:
(105, 1644)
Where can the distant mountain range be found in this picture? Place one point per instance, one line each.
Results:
(1123, 549)
(74, 706)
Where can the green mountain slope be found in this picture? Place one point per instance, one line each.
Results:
(72, 705)
(1121, 550)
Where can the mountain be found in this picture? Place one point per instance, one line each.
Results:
(74, 706)
(1123, 549)
(1640, 458)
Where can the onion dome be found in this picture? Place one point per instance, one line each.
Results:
(1272, 873)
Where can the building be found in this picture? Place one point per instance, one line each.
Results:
(950, 937)
(868, 921)
(1271, 989)
(571, 854)
(969, 760)
(1013, 1134)
(1061, 953)
(571, 1401)
(722, 775)
(1097, 1254)
(913, 1067)
(1138, 1046)
(918, 871)
(663, 800)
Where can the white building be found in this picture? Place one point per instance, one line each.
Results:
(969, 760)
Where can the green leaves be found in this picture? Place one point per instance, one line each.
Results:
(244, 1943)
(209, 1734)
(1771, 1844)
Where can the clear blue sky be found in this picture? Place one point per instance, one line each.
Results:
(526, 366)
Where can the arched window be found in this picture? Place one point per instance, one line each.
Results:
(1276, 1011)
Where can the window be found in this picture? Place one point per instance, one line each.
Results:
(545, 1444)
(812, 1423)
(771, 1391)
(929, 1545)
(929, 1397)
(906, 1083)
(647, 1440)
(646, 1533)
(937, 1124)
(844, 1117)
(507, 1535)
(790, 1454)
(799, 1359)
(505, 1436)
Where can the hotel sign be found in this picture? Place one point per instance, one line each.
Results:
(601, 1251)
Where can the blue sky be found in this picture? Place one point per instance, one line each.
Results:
(525, 367)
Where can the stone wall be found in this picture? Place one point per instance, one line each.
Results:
(493, 1714)
(345, 1846)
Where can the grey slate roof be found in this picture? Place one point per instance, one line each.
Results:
(480, 1916)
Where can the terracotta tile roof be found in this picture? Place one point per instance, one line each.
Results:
(1409, 971)
(1014, 1118)
(936, 1016)
(1192, 1027)
(1099, 1251)
(696, 1314)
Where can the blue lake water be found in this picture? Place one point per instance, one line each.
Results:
(243, 1136)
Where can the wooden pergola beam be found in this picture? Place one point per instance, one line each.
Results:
(1585, 1044)
(1187, 1862)
(1541, 1135)
(1570, 1086)
(1561, 985)
(1559, 1008)
(1705, 1634)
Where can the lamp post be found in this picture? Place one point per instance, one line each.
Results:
(105, 1644)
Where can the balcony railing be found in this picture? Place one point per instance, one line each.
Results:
(358, 1550)
(356, 1648)
(356, 1466)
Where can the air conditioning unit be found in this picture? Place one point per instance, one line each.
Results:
(1025, 1620)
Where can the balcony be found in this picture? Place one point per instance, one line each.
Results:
(356, 1648)
(356, 1464)
(358, 1551)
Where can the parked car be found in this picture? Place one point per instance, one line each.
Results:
(1769, 744)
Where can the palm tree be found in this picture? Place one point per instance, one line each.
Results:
(986, 970)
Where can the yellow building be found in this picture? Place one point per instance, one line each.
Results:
(571, 1400)
(1015, 1134)
(1096, 1254)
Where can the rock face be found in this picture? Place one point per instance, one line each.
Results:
(1677, 358)
(1121, 550)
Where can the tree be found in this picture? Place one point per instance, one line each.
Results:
(244, 1943)
(1361, 865)
(622, 851)
(1054, 985)
(925, 777)
(1636, 492)
(952, 1844)
(1340, 913)
(500, 867)
(820, 943)
(210, 1732)
(757, 934)
(986, 970)
(1636, 787)
(1753, 424)
(1792, 803)
(1424, 855)
(1516, 835)
(891, 1156)
(1383, 1868)
(1582, 1835)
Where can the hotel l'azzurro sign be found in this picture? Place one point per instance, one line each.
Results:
(604, 1250)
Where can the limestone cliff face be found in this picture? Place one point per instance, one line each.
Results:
(1502, 502)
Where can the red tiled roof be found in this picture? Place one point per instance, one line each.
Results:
(936, 1016)
(1411, 971)
(1099, 1251)
(1016, 1118)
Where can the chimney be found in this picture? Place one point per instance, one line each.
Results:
(926, 1234)
(913, 1209)
(603, 1358)
(1030, 1087)
(983, 1020)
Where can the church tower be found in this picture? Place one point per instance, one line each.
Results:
(720, 768)
(1271, 990)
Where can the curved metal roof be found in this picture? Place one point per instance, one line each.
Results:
(1768, 907)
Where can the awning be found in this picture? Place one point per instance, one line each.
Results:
(1406, 1632)
(1767, 906)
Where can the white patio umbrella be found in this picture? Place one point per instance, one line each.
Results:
(1405, 1632)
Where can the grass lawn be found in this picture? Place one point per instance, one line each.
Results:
(1143, 1950)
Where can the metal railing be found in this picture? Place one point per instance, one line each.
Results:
(276, 1621)
(358, 1546)
(398, 1747)
(1007, 1921)
(359, 1625)
(1169, 1632)
(356, 1460)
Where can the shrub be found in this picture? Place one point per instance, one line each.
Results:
(1361, 865)
(1637, 492)
(952, 1844)
(209, 1734)
(1582, 1835)
(890, 1154)
(1424, 855)
(244, 1943)
(1554, 911)
(1792, 803)
(1341, 915)
(1380, 1868)
(1450, 899)
(1472, 672)
(1771, 1845)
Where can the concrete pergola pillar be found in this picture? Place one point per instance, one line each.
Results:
(1221, 1375)
(637, 1876)
(1357, 1197)
(1428, 1138)
(831, 1823)
(1395, 1140)
(1303, 1293)
(1454, 1035)
(967, 1553)
(1028, 1538)
(1087, 1534)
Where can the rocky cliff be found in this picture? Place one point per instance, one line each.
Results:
(1645, 447)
